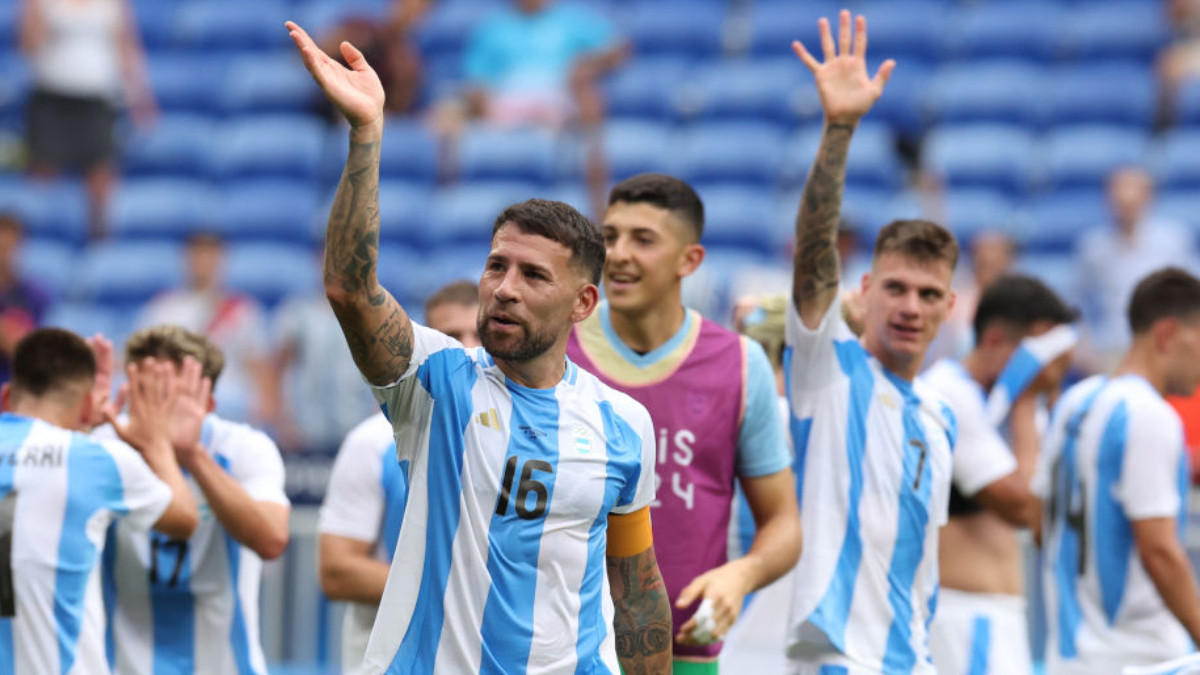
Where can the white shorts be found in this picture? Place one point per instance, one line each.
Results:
(980, 634)
(830, 665)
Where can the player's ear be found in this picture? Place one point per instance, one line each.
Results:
(586, 299)
(212, 403)
(693, 255)
(1164, 332)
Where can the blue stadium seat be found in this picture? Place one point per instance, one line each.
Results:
(402, 270)
(177, 145)
(405, 212)
(1024, 29)
(87, 319)
(745, 152)
(447, 29)
(646, 87)
(749, 90)
(1180, 206)
(982, 155)
(1057, 220)
(775, 24)
(232, 24)
(676, 27)
(1005, 92)
(270, 146)
(903, 107)
(971, 211)
(156, 22)
(507, 154)
(126, 274)
(1187, 104)
(162, 208)
(742, 218)
(47, 262)
(872, 162)
(185, 82)
(409, 152)
(273, 271)
(268, 83)
(1083, 156)
(318, 16)
(55, 210)
(463, 214)
(452, 263)
(1112, 30)
(9, 18)
(573, 193)
(1118, 92)
(275, 210)
(633, 147)
(1179, 160)
(910, 32)
(1056, 270)
(14, 89)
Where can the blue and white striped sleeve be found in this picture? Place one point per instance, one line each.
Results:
(144, 497)
(405, 400)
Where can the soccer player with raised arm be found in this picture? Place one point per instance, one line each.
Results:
(1114, 477)
(711, 395)
(190, 604)
(364, 504)
(526, 543)
(60, 489)
(873, 446)
(1023, 346)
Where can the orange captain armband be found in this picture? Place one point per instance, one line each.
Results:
(630, 534)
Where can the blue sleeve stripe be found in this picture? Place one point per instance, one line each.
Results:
(394, 479)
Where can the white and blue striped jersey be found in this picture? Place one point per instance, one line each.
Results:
(59, 491)
(1114, 454)
(191, 606)
(500, 565)
(365, 501)
(873, 458)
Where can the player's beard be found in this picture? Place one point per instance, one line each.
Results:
(533, 345)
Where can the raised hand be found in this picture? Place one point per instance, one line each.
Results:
(152, 390)
(102, 348)
(847, 91)
(190, 409)
(355, 91)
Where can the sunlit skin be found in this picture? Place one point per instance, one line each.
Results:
(456, 320)
(906, 303)
(530, 294)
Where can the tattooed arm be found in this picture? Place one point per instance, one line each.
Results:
(847, 93)
(377, 328)
(642, 622)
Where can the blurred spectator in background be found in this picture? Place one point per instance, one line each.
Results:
(316, 395)
(389, 48)
(234, 322)
(992, 255)
(87, 58)
(1179, 61)
(22, 303)
(1111, 260)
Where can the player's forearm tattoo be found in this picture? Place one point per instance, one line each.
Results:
(816, 273)
(377, 328)
(642, 624)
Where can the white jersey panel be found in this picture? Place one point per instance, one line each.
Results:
(981, 457)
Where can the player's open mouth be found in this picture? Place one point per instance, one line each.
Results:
(906, 331)
(621, 280)
(501, 320)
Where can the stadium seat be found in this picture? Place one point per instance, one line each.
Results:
(409, 152)
(1115, 30)
(676, 27)
(232, 24)
(273, 271)
(737, 217)
(405, 213)
(125, 274)
(1083, 156)
(1118, 92)
(9, 18)
(903, 107)
(1187, 104)
(971, 211)
(156, 22)
(270, 210)
(633, 147)
(572, 193)
(646, 87)
(1179, 206)
(463, 214)
(448, 27)
(1178, 162)
(402, 270)
(872, 161)
(47, 262)
(452, 263)
(87, 319)
(1056, 270)
(905, 31)
(749, 90)
(981, 155)
(1006, 92)
(1023, 29)
(746, 152)
(14, 89)
(162, 208)
(268, 83)
(269, 146)
(1057, 220)
(318, 16)
(774, 24)
(185, 82)
(507, 154)
(177, 145)
(56, 209)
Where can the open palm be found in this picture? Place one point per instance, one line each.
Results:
(847, 92)
(355, 91)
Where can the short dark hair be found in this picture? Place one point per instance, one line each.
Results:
(921, 240)
(1019, 301)
(175, 343)
(665, 192)
(562, 223)
(462, 292)
(1170, 292)
(50, 359)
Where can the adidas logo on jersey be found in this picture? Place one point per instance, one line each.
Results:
(489, 419)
